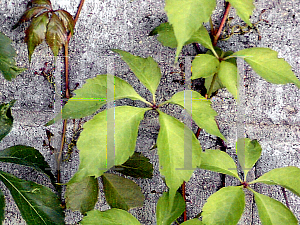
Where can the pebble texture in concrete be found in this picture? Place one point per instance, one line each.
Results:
(271, 112)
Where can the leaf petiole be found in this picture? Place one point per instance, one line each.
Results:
(211, 86)
(236, 56)
(215, 53)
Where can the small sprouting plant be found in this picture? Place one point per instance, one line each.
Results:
(46, 24)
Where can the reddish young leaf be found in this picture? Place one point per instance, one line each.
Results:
(67, 20)
(56, 34)
(35, 33)
(30, 13)
(41, 2)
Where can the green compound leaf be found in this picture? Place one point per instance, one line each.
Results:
(121, 193)
(2, 206)
(204, 65)
(146, 70)
(228, 75)
(67, 20)
(7, 63)
(287, 177)
(167, 37)
(93, 95)
(6, 120)
(248, 152)
(265, 63)
(202, 113)
(56, 35)
(137, 166)
(27, 156)
(37, 203)
(41, 2)
(109, 217)
(83, 195)
(244, 9)
(93, 140)
(168, 210)
(191, 12)
(224, 207)
(36, 32)
(177, 157)
(273, 212)
(218, 161)
(192, 222)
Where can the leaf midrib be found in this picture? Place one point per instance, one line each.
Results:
(24, 198)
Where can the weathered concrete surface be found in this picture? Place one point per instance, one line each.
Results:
(271, 112)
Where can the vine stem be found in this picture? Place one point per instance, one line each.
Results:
(67, 93)
(285, 197)
(184, 197)
(217, 36)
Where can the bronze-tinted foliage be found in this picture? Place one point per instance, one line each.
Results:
(46, 24)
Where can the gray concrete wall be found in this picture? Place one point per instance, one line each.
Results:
(271, 112)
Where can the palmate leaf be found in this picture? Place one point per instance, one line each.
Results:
(228, 74)
(168, 210)
(121, 193)
(7, 63)
(273, 212)
(248, 152)
(288, 177)
(167, 37)
(191, 12)
(83, 195)
(51, 25)
(225, 207)
(56, 34)
(202, 113)
(36, 32)
(265, 63)
(92, 142)
(243, 8)
(172, 150)
(218, 161)
(109, 217)
(6, 120)
(37, 203)
(2, 206)
(93, 95)
(146, 70)
(67, 20)
(27, 156)
(137, 166)
(204, 65)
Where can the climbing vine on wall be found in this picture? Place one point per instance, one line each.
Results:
(107, 142)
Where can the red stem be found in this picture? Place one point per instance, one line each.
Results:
(67, 94)
(76, 17)
(183, 194)
(217, 36)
